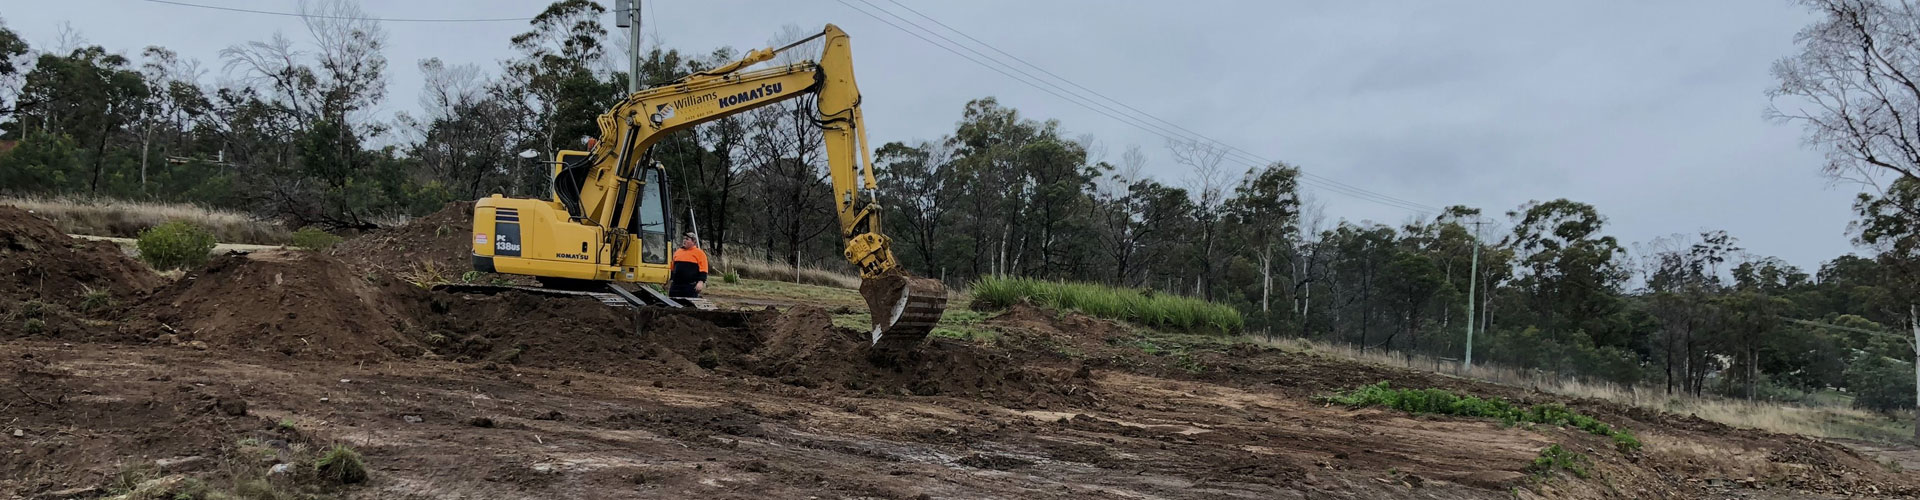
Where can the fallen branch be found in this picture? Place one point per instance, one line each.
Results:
(23, 392)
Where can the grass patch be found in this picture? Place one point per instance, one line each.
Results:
(340, 464)
(126, 219)
(92, 299)
(1442, 402)
(746, 263)
(313, 239)
(1154, 310)
(787, 293)
(1554, 457)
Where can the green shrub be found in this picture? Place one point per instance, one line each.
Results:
(730, 277)
(1880, 383)
(34, 326)
(92, 300)
(1126, 304)
(312, 238)
(176, 244)
(1447, 403)
(32, 308)
(342, 465)
(1554, 457)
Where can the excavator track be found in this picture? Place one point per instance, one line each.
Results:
(615, 296)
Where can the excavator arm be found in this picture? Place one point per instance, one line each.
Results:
(904, 308)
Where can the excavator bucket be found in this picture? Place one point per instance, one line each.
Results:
(904, 308)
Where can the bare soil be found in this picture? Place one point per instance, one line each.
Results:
(51, 283)
(519, 396)
(438, 243)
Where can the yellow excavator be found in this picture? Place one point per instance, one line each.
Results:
(608, 222)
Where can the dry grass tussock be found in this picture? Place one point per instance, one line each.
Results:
(754, 264)
(126, 219)
(1823, 420)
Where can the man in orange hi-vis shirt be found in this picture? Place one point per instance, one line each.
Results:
(689, 276)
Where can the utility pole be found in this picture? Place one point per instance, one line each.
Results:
(1473, 284)
(627, 15)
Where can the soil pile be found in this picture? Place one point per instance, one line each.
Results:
(48, 281)
(295, 303)
(439, 243)
(512, 327)
(804, 348)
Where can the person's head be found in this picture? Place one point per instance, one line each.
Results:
(689, 241)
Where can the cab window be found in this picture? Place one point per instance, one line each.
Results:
(652, 219)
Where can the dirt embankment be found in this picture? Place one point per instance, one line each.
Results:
(292, 302)
(437, 243)
(54, 285)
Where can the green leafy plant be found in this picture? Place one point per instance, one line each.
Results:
(470, 276)
(288, 424)
(1442, 402)
(1554, 457)
(175, 245)
(342, 465)
(34, 326)
(313, 239)
(730, 277)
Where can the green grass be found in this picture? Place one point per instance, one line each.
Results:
(314, 239)
(1442, 402)
(342, 465)
(1554, 457)
(1154, 310)
(779, 291)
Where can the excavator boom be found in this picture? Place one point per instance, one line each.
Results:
(610, 200)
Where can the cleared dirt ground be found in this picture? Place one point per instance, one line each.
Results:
(265, 358)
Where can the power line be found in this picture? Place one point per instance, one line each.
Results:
(295, 14)
(1226, 151)
(1327, 182)
(1135, 122)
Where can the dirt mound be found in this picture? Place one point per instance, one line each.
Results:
(554, 332)
(439, 243)
(292, 302)
(49, 281)
(799, 347)
(804, 348)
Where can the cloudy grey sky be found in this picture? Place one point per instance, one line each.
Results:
(1649, 110)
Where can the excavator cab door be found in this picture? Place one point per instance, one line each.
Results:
(651, 220)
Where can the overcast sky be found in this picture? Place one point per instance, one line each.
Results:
(1649, 110)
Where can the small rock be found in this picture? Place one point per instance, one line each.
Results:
(412, 419)
(279, 469)
(197, 345)
(481, 422)
(323, 400)
(19, 433)
(177, 462)
(344, 381)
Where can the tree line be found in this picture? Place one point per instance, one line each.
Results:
(290, 131)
